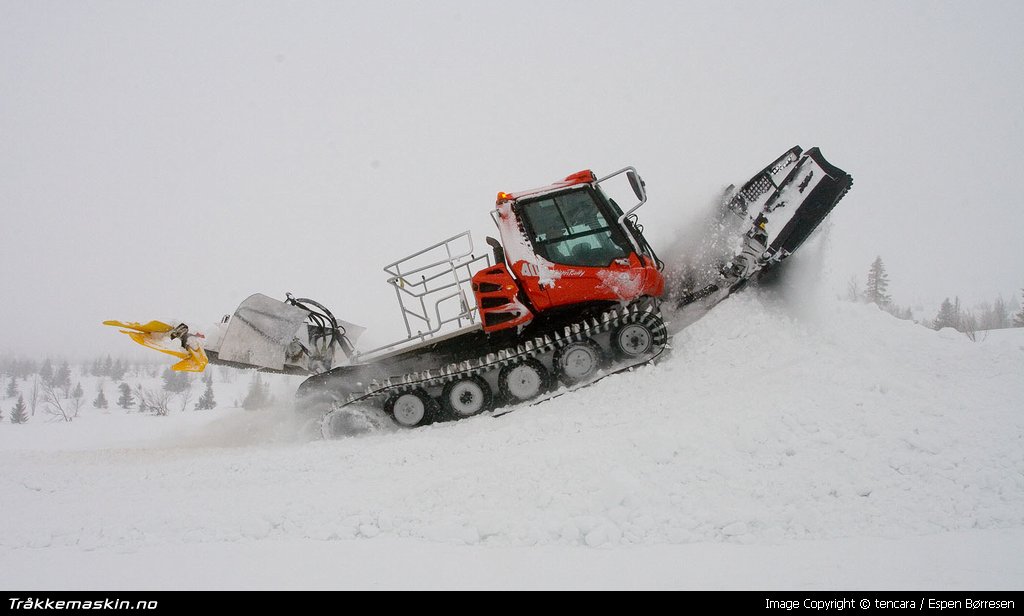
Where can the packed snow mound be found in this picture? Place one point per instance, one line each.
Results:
(769, 421)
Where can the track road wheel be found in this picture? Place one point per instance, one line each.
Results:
(411, 408)
(466, 397)
(641, 337)
(523, 381)
(577, 362)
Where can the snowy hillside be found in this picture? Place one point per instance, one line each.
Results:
(780, 445)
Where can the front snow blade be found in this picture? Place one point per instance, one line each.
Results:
(260, 332)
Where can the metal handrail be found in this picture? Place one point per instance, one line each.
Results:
(423, 335)
(622, 218)
(398, 273)
(405, 284)
(449, 271)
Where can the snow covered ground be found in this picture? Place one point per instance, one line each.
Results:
(785, 443)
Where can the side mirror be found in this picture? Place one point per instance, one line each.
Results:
(637, 184)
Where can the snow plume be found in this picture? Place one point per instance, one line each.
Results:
(701, 246)
(801, 282)
(287, 419)
(277, 423)
(706, 243)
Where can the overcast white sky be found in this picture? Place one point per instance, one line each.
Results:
(167, 159)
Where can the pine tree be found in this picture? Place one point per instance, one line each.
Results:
(175, 382)
(1000, 313)
(949, 315)
(258, 395)
(994, 315)
(18, 414)
(62, 378)
(1018, 319)
(207, 401)
(100, 401)
(118, 369)
(140, 394)
(877, 285)
(125, 400)
(12, 388)
(77, 398)
(46, 372)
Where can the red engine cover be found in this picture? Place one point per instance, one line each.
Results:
(495, 291)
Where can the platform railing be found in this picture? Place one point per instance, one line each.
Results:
(429, 278)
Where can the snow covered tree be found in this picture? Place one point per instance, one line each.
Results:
(206, 401)
(140, 395)
(100, 401)
(18, 414)
(186, 397)
(33, 395)
(1018, 319)
(949, 315)
(62, 379)
(175, 382)
(125, 400)
(258, 396)
(118, 369)
(993, 316)
(46, 372)
(54, 404)
(900, 312)
(156, 401)
(1000, 315)
(77, 396)
(853, 292)
(969, 325)
(12, 387)
(226, 374)
(877, 285)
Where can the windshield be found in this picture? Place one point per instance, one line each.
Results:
(570, 229)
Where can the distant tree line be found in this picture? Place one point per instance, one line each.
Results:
(985, 316)
(997, 314)
(51, 387)
(112, 368)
